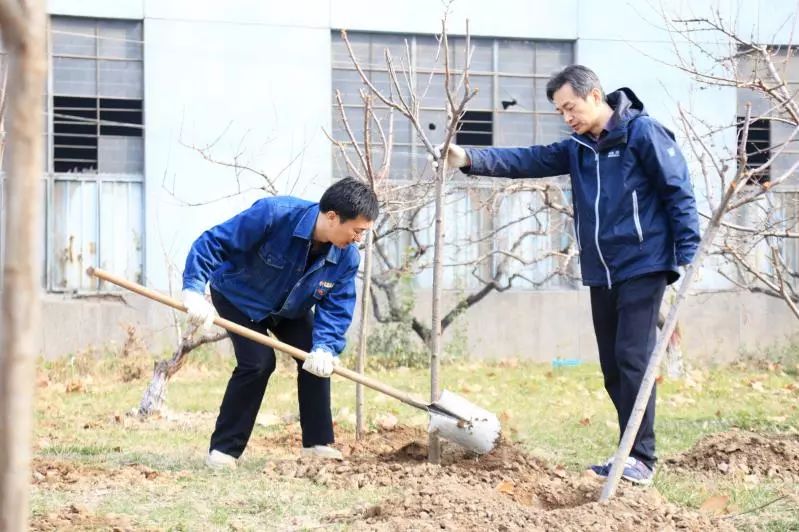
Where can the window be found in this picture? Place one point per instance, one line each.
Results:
(95, 151)
(758, 146)
(768, 130)
(476, 129)
(510, 109)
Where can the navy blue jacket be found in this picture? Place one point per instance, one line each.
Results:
(257, 261)
(634, 206)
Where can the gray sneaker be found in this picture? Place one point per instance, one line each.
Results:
(219, 460)
(322, 451)
(637, 472)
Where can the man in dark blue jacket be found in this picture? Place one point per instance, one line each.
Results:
(635, 220)
(267, 267)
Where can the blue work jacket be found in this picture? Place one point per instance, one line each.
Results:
(257, 260)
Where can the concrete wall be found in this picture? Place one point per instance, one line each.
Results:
(539, 326)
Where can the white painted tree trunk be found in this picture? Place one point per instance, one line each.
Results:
(154, 396)
(22, 24)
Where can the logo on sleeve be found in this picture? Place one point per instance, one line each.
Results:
(671, 151)
(323, 288)
(614, 153)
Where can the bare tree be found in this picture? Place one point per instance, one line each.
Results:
(499, 249)
(365, 167)
(23, 26)
(758, 245)
(409, 239)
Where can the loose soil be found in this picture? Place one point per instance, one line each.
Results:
(738, 452)
(508, 489)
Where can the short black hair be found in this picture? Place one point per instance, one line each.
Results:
(582, 80)
(350, 198)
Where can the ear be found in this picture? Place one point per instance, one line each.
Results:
(331, 216)
(597, 95)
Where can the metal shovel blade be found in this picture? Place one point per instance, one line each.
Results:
(455, 419)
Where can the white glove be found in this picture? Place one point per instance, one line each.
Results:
(320, 363)
(456, 157)
(199, 309)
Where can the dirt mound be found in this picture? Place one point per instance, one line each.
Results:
(76, 517)
(738, 452)
(56, 472)
(505, 490)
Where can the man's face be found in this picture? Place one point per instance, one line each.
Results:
(580, 114)
(342, 234)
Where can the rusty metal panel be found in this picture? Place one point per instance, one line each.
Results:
(121, 229)
(74, 236)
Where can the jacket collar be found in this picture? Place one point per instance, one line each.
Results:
(626, 108)
(304, 230)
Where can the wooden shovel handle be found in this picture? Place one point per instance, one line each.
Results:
(260, 338)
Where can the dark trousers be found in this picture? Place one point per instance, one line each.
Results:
(254, 365)
(625, 321)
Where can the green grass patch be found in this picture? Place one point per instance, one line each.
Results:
(561, 414)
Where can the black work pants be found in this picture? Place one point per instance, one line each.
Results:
(254, 365)
(625, 322)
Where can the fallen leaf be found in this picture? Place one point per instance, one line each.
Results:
(74, 386)
(585, 421)
(506, 487)
(659, 379)
(715, 504)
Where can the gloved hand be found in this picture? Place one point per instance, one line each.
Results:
(199, 309)
(456, 157)
(320, 363)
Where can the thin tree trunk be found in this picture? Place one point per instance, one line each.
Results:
(154, 396)
(23, 27)
(360, 364)
(434, 455)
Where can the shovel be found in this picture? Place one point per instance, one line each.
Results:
(451, 417)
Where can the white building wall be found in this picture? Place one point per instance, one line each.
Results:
(252, 78)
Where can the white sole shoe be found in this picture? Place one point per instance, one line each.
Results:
(219, 460)
(322, 451)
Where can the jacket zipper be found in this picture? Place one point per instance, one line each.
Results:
(636, 219)
(596, 210)
(577, 234)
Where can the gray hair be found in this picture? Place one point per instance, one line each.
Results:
(582, 79)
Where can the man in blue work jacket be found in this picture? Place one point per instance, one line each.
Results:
(267, 268)
(635, 220)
